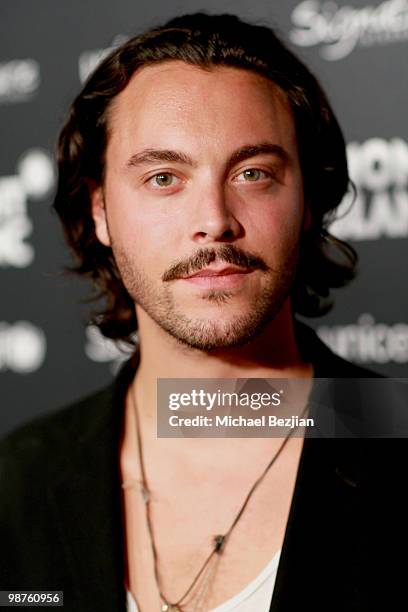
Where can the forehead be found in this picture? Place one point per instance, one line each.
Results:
(176, 104)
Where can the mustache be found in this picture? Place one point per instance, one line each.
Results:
(227, 253)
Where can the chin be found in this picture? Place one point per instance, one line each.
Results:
(216, 334)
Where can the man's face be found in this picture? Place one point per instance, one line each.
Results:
(202, 176)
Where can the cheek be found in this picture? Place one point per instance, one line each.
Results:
(130, 220)
(147, 236)
(275, 225)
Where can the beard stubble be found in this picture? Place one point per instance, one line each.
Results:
(201, 333)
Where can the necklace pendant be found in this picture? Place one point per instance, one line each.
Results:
(219, 542)
(169, 607)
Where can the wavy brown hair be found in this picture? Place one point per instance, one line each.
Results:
(205, 41)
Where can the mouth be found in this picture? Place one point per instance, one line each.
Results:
(218, 278)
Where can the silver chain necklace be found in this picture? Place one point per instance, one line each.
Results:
(219, 541)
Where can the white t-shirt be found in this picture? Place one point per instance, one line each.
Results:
(257, 595)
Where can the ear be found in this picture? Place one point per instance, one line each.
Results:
(99, 214)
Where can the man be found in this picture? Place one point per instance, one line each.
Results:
(197, 172)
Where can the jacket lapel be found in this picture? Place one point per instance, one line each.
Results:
(322, 533)
(86, 501)
(321, 566)
(90, 526)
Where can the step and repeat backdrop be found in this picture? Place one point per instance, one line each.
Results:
(49, 354)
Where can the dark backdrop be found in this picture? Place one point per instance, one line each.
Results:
(359, 50)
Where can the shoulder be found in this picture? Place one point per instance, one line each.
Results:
(48, 466)
(66, 429)
(31, 461)
(50, 456)
(31, 449)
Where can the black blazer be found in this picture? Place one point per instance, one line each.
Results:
(61, 515)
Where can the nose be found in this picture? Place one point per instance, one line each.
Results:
(214, 218)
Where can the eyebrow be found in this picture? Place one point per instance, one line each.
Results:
(148, 156)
